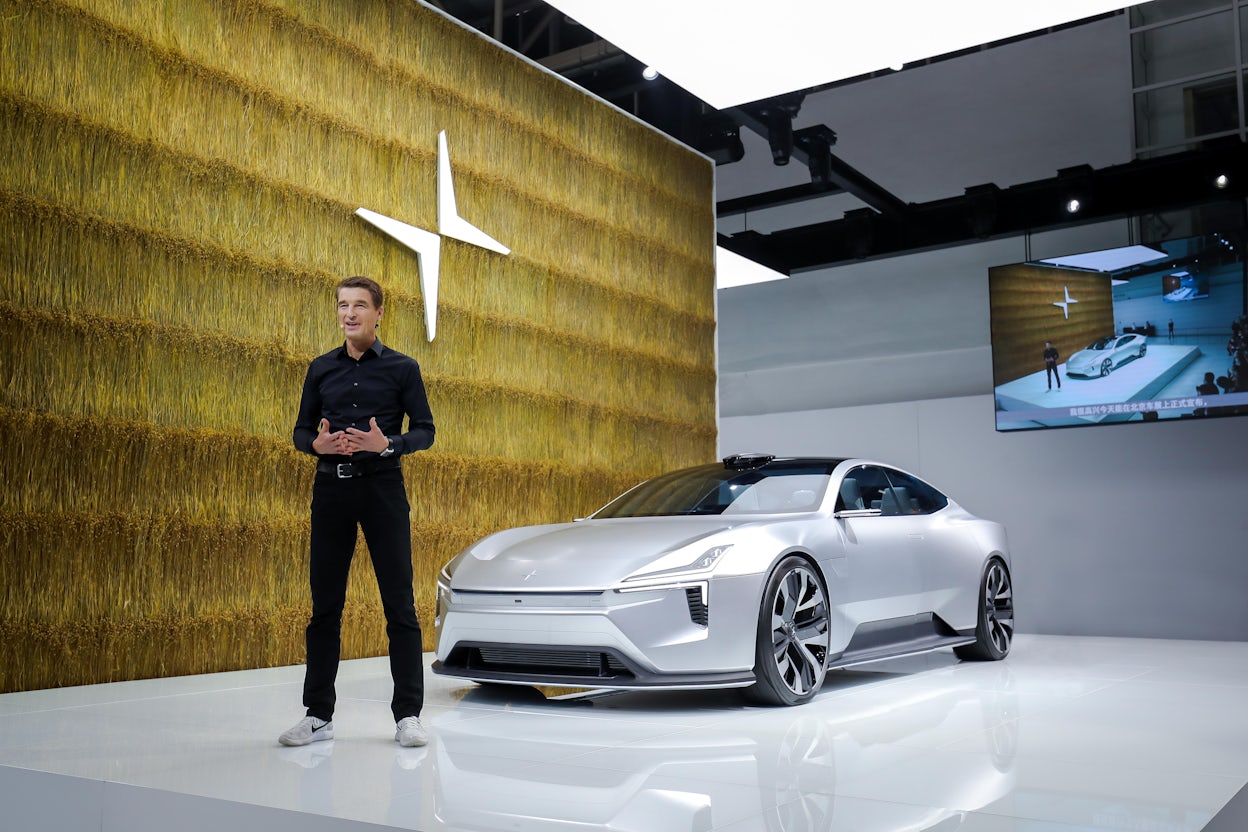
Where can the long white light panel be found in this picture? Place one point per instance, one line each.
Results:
(730, 52)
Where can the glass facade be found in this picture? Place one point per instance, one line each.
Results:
(1188, 61)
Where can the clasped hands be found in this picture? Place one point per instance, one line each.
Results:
(347, 442)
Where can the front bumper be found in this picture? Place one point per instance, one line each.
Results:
(700, 635)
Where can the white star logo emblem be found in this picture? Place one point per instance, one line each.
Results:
(426, 244)
(1065, 305)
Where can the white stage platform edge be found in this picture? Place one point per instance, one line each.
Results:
(1028, 401)
(1069, 733)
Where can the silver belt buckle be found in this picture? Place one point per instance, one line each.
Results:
(344, 471)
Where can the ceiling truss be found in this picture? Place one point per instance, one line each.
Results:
(887, 226)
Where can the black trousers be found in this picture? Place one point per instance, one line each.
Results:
(1050, 373)
(377, 504)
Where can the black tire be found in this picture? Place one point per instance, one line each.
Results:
(1143, 349)
(1106, 366)
(791, 646)
(994, 631)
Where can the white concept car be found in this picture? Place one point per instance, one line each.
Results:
(759, 572)
(1104, 354)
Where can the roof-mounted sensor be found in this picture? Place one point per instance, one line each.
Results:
(745, 462)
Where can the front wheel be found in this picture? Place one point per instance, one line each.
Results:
(791, 650)
(1106, 366)
(994, 631)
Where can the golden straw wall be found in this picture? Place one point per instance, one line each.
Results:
(1024, 317)
(178, 183)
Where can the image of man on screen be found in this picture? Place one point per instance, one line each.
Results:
(1050, 365)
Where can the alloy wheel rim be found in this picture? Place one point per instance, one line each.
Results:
(799, 631)
(999, 607)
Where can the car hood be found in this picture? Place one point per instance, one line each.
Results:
(1087, 356)
(586, 555)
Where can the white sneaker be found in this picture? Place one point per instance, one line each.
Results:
(409, 733)
(309, 729)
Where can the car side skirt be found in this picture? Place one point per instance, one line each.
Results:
(897, 637)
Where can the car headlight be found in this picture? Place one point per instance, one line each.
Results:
(442, 596)
(694, 569)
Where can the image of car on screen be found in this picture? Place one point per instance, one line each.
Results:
(1104, 355)
(757, 572)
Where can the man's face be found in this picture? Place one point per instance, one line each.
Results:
(356, 314)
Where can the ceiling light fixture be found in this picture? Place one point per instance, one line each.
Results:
(817, 141)
(777, 117)
(1221, 181)
(1073, 206)
(1108, 260)
(649, 73)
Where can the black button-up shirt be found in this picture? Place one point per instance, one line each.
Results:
(348, 392)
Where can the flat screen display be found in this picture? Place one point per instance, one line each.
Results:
(1126, 335)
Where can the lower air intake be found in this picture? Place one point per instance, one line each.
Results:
(555, 662)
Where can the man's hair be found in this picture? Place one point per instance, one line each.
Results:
(357, 282)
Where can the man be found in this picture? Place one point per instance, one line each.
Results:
(351, 418)
(1050, 365)
(1209, 387)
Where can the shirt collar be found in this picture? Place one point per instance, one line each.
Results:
(376, 348)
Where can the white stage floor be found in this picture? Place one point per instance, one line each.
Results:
(1028, 400)
(1068, 734)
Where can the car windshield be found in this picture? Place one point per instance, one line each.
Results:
(1101, 344)
(714, 489)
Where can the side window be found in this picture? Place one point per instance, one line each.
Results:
(913, 496)
(863, 487)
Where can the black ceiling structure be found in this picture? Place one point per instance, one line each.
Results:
(1134, 189)
(887, 226)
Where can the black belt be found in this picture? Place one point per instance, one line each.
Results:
(347, 470)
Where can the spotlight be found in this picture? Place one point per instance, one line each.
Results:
(1221, 181)
(780, 137)
(1078, 186)
(774, 118)
(649, 73)
(817, 141)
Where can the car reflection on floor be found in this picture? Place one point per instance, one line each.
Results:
(699, 760)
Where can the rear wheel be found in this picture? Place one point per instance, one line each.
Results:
(791, 651)
(994, 632)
